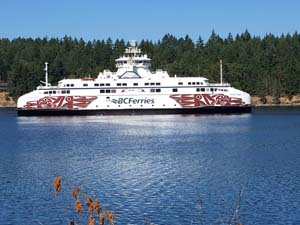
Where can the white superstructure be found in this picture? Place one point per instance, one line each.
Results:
(132, 89)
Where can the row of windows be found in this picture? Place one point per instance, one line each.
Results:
(108, 84)
(140, 62)
(191, 83)
(57, 92)
(101, 84)
(195, 83)
(210, 89)
(152, 90)
(121, 84)
(155, 90)
(152, 84)
(135, 61)
(102, 91)
(134, 84)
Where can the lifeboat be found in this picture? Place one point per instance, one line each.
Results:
(88, 79)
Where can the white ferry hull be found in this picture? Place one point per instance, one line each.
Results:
(129, 104)
(84, 112)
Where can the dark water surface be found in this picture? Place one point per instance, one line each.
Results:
(158, 169)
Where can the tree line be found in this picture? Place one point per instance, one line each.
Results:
(260, 66)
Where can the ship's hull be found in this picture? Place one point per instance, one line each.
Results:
(84, 112)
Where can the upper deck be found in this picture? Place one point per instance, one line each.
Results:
(133, 70)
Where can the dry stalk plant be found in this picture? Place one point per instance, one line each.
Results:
(106, 216)
(93, 206)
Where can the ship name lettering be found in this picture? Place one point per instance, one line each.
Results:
(132, 101)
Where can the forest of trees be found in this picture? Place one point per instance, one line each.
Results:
(260, 66)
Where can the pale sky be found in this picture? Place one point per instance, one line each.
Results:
(146, 19)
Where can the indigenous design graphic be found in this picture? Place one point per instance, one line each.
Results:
(61, 102)
(198, 100)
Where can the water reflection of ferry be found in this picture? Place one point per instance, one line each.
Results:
(133, 89)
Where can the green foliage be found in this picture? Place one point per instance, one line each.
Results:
(260, 66)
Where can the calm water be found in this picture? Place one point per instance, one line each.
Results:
(159, 169)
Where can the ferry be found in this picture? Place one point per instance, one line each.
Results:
(133, 89)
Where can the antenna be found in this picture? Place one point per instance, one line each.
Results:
(221, 72)
(46, 74)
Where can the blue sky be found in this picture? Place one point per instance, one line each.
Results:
(146, 19)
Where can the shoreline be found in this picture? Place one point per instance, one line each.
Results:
(275, 105)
